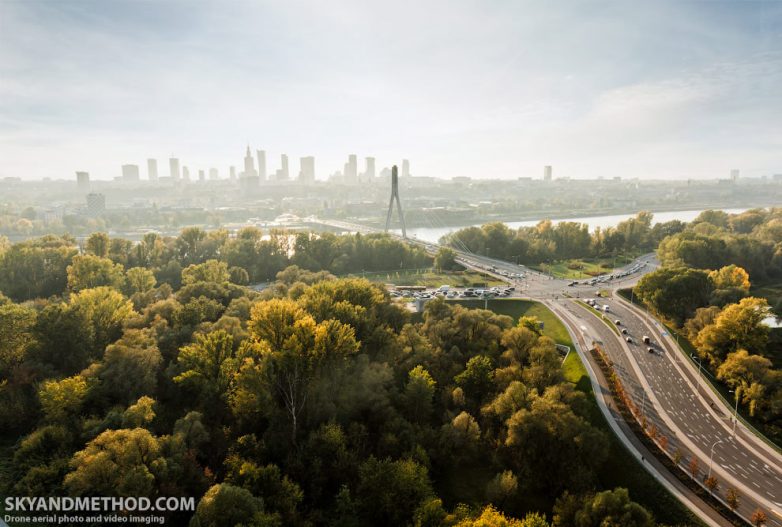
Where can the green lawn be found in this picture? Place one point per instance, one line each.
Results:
(621, 469)
(432, 278)
(578, 268)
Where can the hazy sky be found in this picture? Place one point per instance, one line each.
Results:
(670, 89)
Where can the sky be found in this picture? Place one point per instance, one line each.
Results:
(670, 89)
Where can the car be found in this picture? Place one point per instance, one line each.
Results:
(571, 284)
(624, 331)
(650, 349)
(629, 340)
(511, 288)
(606, 309)
(618, 322)
(646, 339)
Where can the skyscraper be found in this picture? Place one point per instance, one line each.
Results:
(152, 169)
(369, 171)
(249, 164)
(173, 167)
(185, 173)
(130, 173)
(351, 170)
(547, 173)
(307, 172)
(83, 180)
(261, 164)
(232, 173)
(282, 173)
(201, 176)
(405, 169)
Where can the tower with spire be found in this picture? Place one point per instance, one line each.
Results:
(249, 164)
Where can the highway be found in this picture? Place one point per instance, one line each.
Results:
(664, 383)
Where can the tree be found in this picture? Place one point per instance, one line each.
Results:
(295, 349)
(758, 518)
(607, 508)
(97, 244)
(738, 326)
(712, 483)
(138, 280)
(418, 395)
(730, 276)
(445, 259)
(16, 336)
(491, 517)
(693, 467)
(116, 463)
(212, 271)
(63, 399)
(389, 492)
(675, 292)
(208, 367)
(502, 488)
(477, 378)
(225, 505)
(105, 311)
(732, 499)
(748, 375)
(94, 271)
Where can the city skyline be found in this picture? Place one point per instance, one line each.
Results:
(670, 90)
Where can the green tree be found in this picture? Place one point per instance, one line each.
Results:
(419, 392)
(61, 400)
(138, 280)
(97, 244)
(225, 505)
(391, 491)
(738, 326)
(445, 259)
(675, 292)
(94, 271)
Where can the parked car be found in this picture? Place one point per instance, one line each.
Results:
(629, 340)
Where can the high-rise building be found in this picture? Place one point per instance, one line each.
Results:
(185, 173)
(173, 167)
(405, 169)
(152, 169)
(201, 176)
(282, 173)
(351, 170)
(249, 164)
(261, 164)
(307, 172)
(547, 173)
(214, 174)
(130, 173)
(96, 204)
(734, 174)
(369, 172)
(83, 180)
(232, 173)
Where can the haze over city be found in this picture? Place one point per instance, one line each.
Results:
(663, 90)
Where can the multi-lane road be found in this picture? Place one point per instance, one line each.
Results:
(664, 383)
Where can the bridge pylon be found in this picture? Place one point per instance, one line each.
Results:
(395, 196)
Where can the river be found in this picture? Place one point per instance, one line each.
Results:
(433, 234)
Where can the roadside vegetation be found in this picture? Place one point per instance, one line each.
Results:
(708, 291)
(150, 370)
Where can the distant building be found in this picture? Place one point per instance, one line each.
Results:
(232, 173)
(83, 180)
(282, 174)
(173, 167)
(734, 174)
(249, 164)
(385, 173)
(201, 176)
(547, 172)
(369, 171)
(152, 169)
(185, 173)
(130, 173)
(405, 169)
(351, 169)
(214, 174)
(261, 155)
(96, 204)
(307, 171)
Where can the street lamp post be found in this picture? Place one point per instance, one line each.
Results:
(735, 411)
(717, 442)
(700, 369)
